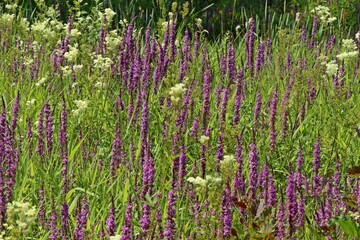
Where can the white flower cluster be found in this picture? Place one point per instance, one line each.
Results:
(331, 68)
(30, 102)
(100, 84)
(204, 139)
(349, 50)
(108, 14)
(102, 63)
(40, 82)
(228, 160)
(81, 106)
(357, 36)
(20, 216)
(208, 181)
(176, 92)
(75, 33)
(112, 40)
(7, 18)
(197, 181)
(324, 14)
(72, 53)
(42, 29)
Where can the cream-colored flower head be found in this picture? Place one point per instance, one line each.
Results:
(176, 92)
(81, 106)
(109, 14)
(204, 139)
(331, 68)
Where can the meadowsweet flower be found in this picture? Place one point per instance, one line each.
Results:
(197, 181)
(112, 40)
(81, 106)
(100, 84)
(7, 18)
(176, 92)
(357, 36)
(117, 237)
(102, 63)
(331, 68)
(253, 169)
(11, 7)
(20, 218)
(204, 139)
(109, 14)
(40, 82)
(72, 53)
(349, 50)
(30, 102)
(75, 33)
(66, 71)
(198, 22)
(347, 55)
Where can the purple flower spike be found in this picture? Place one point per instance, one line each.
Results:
(273, 107)
(145, 220)
(126, 228)
(110, 221)
(253, 171)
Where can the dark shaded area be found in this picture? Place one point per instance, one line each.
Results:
(218, 16)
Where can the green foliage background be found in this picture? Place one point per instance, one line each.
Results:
(218, 16)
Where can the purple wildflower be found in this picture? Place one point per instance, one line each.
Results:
(280, 225)
(145, 220)
(110, 221)
(291, 205)
(238, 97)
(226, 213)
(126, 228)
(257, 107)
(171, 214)
(253, 171)
(273, 107)
(259, 62)
(231, 63)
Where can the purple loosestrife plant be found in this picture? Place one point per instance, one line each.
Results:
(273, 107)
(63, 148)
(115, 154)
(313, 32)
(291, 204)
(206, 98)
(220, 151)
(52, 223)
(257, 107)
(110, 221)
(2, 198)
(280, 222)
(81, 220)
(259, 62)
(42, 207)
(239, 182)
(126, 228)
(316, 166)
(64, 221)
(253, 170)
(231, 63)
(49, 127)
(238, 97)
(226, 213)
(41, 134)
(171, 214)
(145, 220)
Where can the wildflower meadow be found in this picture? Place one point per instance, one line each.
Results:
(151, 127)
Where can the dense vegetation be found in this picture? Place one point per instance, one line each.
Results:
(110, 129)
